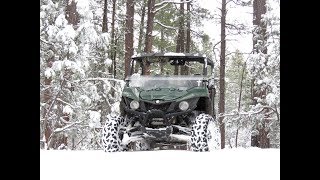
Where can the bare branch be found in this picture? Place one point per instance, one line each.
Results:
(51, 105)
(81, 140)
(239, 27)
(45, 88)
(196, 33)
(277, 113)
(237, 3)
(236, 27)
(60, 100)
(46, 42)
(156, 10)
(58, 130)
(214, 46)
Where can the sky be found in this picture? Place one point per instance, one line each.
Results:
(235, 13)
(226, 164)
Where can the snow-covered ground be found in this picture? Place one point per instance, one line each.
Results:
(226, 164)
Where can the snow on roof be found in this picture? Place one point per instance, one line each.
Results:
(174, 54)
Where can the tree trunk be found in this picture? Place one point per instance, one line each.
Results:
(259, 8)
(141, 30)
(185, 68)
(259, 38)
(129, 36)
(241, 83)
(149, 37)
(161, 50)
(114, 58)
(188, 42)
(112, 45)
(222, 73)
(47, 95)
(105, 17)
(180, 38)
(239, 100)
(72, 16)
(237, 132)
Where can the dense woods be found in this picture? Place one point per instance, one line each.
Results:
(85, 51)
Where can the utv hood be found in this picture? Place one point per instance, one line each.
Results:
(165, 94)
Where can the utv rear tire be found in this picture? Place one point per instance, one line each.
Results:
(111, 140)
(200, 135)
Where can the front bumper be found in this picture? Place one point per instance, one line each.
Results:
(155, 113)
(159, 134)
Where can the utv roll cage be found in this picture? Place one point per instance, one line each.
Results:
(173, 58)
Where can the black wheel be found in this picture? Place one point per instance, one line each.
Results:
(200, 135)
(111, 139)
(141, 145)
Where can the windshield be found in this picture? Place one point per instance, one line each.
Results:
(176, 82)
(161, 66)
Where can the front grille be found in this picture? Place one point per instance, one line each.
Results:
(163, 107)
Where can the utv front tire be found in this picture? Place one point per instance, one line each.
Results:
(111, 140)
(200, 135)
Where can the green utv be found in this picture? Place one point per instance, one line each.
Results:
(165, 108)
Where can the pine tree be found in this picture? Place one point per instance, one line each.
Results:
(129, 36)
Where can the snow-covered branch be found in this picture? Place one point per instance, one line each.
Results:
(51, 105)
(157, 10)
(235, 113)
(99, 79)
(58, 130)
(46, 42)
(163, 3)
(239, 27)
(165, 26)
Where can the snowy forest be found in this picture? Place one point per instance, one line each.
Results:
(86, 47)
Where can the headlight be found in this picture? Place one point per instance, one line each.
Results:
(183, 105)
(134, 105)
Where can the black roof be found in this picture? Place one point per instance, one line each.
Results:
(174, 56)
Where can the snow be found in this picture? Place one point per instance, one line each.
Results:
(94, 118)
(271, 98)
(67, 110)
(85, 99)
(115, 107)
(227, 164)
(73, 49)
(57, 65)
(108, 62)
(61, 21)
(66, 34)
(49, 73)
(83, 7)
(174, 54)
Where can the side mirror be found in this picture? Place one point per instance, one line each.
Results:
(211, 83)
